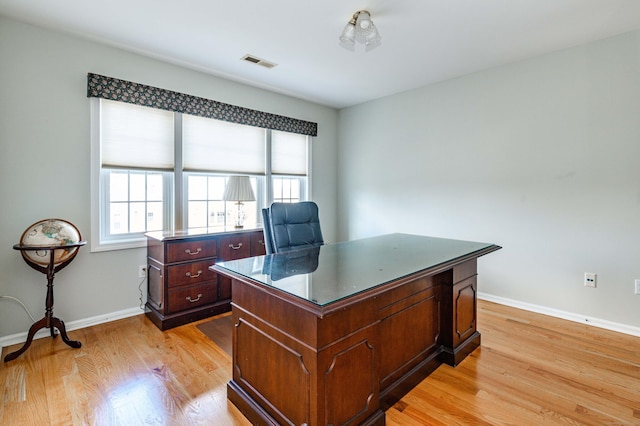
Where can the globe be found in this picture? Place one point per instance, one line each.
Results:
(47, 233)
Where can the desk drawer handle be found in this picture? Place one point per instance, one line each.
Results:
(194, 300)
(191, 253)
(188, 274)
(231, 246)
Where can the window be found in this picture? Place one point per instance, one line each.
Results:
(156, 170)
(289, 158)
(286, 190)
(206, 208)
(135, 202)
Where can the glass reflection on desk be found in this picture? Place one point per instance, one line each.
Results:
(332, 272)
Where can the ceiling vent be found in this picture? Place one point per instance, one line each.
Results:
(258, 61)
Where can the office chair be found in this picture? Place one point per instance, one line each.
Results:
(291, 226)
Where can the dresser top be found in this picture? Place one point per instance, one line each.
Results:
(183, 234)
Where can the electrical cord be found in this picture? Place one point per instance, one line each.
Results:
(22, 304)
(141, 294)
(34, 320)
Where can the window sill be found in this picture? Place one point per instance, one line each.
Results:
(119, 245)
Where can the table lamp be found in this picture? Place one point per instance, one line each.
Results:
(239, 189)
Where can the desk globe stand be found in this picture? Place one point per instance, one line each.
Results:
(49, 321)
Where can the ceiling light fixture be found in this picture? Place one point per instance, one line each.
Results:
(361, 29)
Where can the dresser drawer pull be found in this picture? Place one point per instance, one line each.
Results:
(188, 274)
(231, 246)
(194, 300)
(193, 253)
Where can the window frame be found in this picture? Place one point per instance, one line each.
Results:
(175, 188)
(105, 225)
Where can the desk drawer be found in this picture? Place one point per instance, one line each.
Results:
(191, 273)
(190, 250)
(235, 247)
(192, 297)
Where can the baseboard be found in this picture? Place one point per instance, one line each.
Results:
(113, 316)
(596, 322)
(73, 325)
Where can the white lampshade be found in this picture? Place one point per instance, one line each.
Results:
(238, 189)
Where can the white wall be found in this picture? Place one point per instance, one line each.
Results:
(44, 162)
(541, 157)
(538, 156)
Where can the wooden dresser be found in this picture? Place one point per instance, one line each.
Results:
(181, 287)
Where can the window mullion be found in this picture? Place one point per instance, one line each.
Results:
(128, 203)
(268, 181)
(305, 190)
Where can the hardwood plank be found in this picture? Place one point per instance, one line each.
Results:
(534, 369)
(530, 369)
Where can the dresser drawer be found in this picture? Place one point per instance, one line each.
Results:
(191, 273)
(192, 297)
(190, 250)
(257, 244)
(180, 286)
(235, 246)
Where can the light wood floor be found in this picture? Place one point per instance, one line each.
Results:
(530, 370)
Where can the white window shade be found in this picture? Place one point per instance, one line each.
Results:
(135, 137)
(288, 153)
(218, 146)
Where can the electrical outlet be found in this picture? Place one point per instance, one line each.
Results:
(142, 271)
(637, 282)
(590, 279)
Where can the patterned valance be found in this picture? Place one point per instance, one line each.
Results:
(125, 91)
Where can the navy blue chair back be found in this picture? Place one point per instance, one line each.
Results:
(292, 226)
(266, 224)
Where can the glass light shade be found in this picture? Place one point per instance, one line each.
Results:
(370, 45)
(364, 26)
(364, 21)
(348, 37)
(373, 39)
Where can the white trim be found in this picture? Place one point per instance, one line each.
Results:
(94, 180)
(268, 173)
(73, 325)
(101, 319)
(595, 322)
(308, 195)
(121, 244)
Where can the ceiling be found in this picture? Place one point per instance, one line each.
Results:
(423, 41)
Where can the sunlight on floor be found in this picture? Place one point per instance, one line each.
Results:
(138, 401)
(157, 399)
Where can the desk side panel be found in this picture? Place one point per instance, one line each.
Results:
(459, 335)
(279, 366)
(348, 388)
(409, 335)
(273, 370)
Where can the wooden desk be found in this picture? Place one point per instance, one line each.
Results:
(337, 334)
